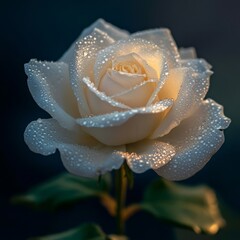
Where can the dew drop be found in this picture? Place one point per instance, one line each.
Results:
(39, 120)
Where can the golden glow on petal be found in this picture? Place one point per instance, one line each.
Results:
(132, 63)
(173, 84)
(122, 89)
(129, 67)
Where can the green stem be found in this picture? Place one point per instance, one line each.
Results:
(121, 187)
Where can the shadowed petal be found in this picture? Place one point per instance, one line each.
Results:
(50, 87)
(187, 53)
(81, 154)
(195, 140)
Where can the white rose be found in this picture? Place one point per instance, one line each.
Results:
(116, 97)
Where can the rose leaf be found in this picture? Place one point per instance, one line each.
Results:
(88, 231)
(84, 232)
(63, 190)
(190, 207)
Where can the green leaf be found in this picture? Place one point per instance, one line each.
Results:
(87, 231)
(84, 232)
(190, 207)
(63, 190)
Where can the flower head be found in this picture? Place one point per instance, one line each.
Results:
(115, 97)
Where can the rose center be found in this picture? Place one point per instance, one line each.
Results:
(129, 67)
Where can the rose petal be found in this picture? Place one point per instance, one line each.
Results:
(81, 154)
(97, 102)
(172, 84)
(198, 65)
(147, 154)
(119, 128)
(118, 118)
(112, 31)
(50, 87)
(162, 38)
(188, 53)
(193, 89)
(83, 63)
(164, 74)
(115, 82)
(150, 52)
(138, 60)
(195, 140)
(131, 97)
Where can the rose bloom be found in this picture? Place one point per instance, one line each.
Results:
(115, 97)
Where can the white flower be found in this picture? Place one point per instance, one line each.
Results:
(115, 97)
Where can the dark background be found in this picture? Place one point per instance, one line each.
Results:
(44, 30)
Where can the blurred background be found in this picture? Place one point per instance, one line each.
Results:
(44, 30)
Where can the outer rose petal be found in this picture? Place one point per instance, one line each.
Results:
(162, 38)
(83, 63)
(147, 154)
(119, 128)
(50, 87)
(112, 31)
(81, 154)
(195, 140)
(187, 53)
(199, 65)
(193, 89)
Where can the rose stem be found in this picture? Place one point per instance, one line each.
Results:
(121, 187)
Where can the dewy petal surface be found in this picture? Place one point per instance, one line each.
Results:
(162, 38)
(195, 140)
(193, 89)
(172, 84)
(127, 71)
(83, 63)
(131, 97)
(144, 67)
(112, 31)
(119, 128)
(81, 154)
(98, 102)
(150, 52)
(50, 87)
(148, 154)
(115, 82)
